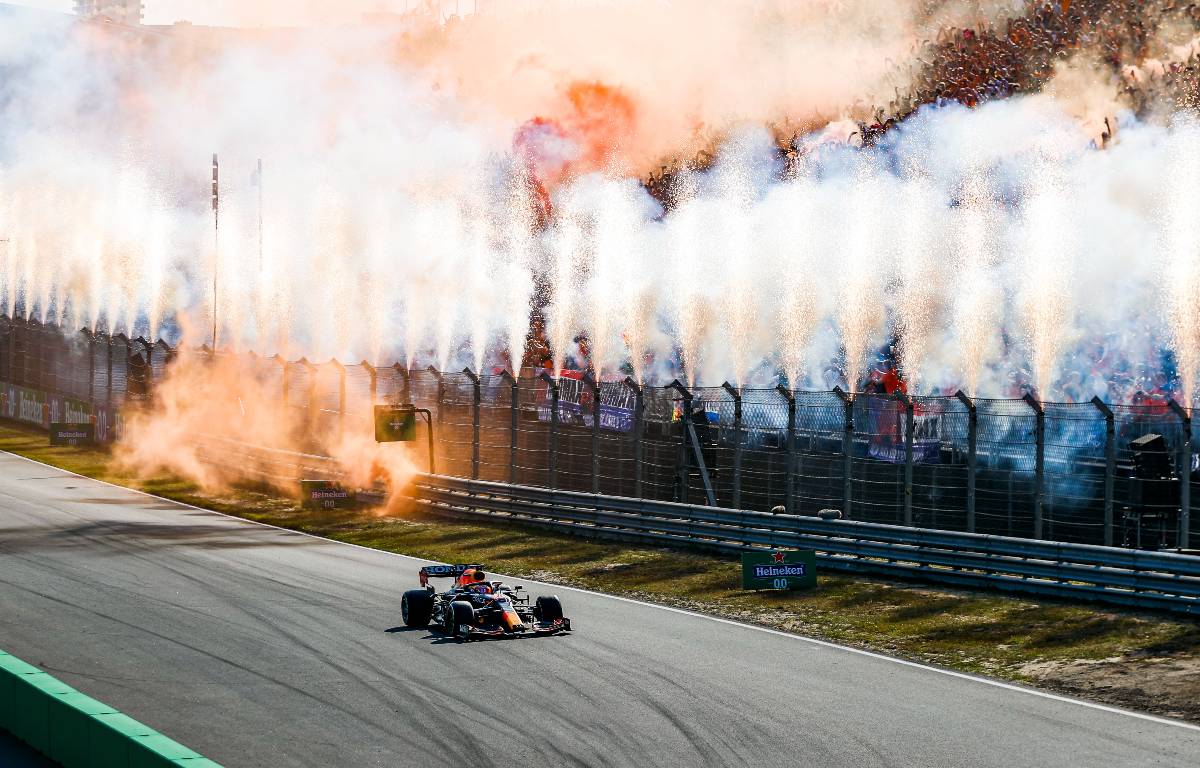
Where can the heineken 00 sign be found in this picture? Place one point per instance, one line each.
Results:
(72, 434)
(395, 425)
(324, 494)
(788, 569)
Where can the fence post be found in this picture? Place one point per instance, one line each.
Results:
(1039, 474)
(476, 399)
(441, 395)
(847, 449)
(373, 385)
(148, 369)
(341, 372)
(313, 408)
(909, 424)
(1185, 475)
(639, 405)
(972, 443)
(91, 342)
(684, 458)
(406, 388)
(595, 387)
(284, 378)
(552, 451)
(108, 397)
(441, 392)
(790, 485)
(1110, 466)
(514, 405)
(737, 443)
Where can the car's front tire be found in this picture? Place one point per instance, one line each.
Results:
(416, 607)
(547, 608)
(460, 616)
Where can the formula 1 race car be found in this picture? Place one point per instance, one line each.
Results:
(476, 607)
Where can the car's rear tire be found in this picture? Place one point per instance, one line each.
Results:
(547, 608)
(458, 614)
(416, 607)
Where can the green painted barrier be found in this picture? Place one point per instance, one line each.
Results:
(77, 731)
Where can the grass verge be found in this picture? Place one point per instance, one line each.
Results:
(1142, 661)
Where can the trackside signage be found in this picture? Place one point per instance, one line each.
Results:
(395, 425)
(72, 434)
(325, 494)
(785, 569)
(45, 409)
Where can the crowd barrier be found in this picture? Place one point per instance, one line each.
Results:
(1066, 472)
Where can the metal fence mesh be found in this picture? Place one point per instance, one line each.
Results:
(1054, 470)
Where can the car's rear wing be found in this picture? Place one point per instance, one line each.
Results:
(443, 571)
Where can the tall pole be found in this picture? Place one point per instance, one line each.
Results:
(259, 178)
(216, 206)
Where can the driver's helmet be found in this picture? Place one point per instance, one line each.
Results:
(473, 579)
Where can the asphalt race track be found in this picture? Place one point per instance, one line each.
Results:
(258, 647)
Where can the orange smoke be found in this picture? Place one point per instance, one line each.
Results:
(602, 118)
(227, 420)
(590, 124)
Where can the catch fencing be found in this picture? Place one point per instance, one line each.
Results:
(1012, 468)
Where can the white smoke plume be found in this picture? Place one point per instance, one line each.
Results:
(997, 247)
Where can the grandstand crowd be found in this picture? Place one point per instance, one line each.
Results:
(1149, 48)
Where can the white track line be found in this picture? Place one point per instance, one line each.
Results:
(718, 619)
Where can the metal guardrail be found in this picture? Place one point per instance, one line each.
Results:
(1141, 579)
(1132, 578)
